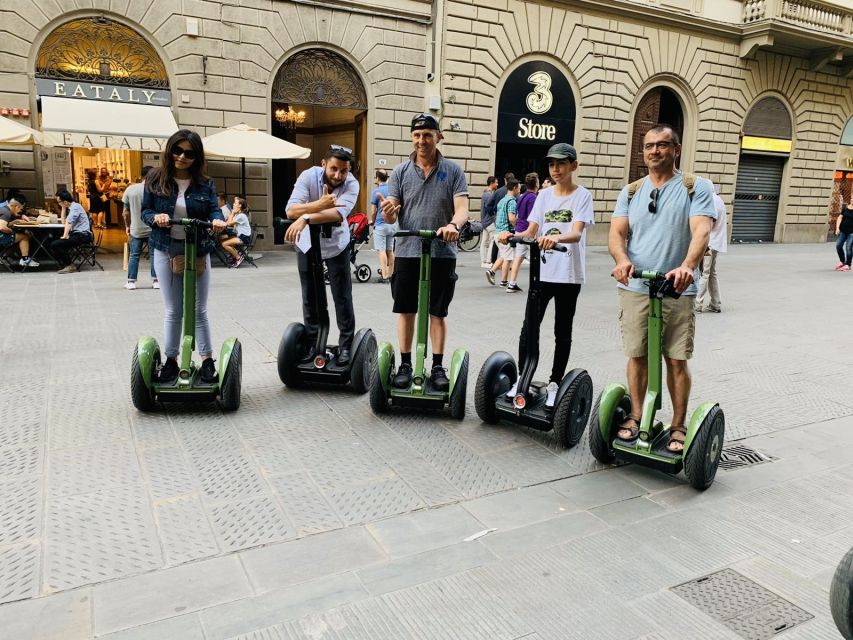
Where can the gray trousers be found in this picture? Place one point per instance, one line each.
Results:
(172, 290)
(709, 288)
(486, 241)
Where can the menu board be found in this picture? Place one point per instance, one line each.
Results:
(55, 170)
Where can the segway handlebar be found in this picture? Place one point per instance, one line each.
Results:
(658, 283)
(186, 222)
(422, 233)
(648, 275)
(514, 240)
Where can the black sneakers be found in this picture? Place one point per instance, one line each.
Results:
(169, 371)
(208, 371)
(403, 378)
(438, 377)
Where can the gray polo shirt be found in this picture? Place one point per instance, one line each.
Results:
(426, 202)
(132, 199)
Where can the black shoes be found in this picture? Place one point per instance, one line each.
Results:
(343, 357)
(308, 357)
(169, 371)
(208, 371)
(403, 377)
(438, 377)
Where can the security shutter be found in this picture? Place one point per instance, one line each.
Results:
(759, 181)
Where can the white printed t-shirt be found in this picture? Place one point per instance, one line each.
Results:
(555, 215)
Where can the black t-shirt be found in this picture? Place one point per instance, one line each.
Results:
(846, 219)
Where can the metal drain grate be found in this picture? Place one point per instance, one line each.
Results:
(736, 456)
(744, 606)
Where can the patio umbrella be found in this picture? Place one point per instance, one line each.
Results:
(242, 141)
(12, 132)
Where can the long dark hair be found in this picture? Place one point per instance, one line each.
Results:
(162, 179)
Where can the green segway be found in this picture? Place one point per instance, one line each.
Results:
(841, 596)
(146, 390)
(420, 393)
(703, 443)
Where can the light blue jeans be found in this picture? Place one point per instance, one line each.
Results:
(136, 245)
(172, 290)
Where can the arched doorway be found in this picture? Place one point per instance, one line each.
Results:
(103, 96)
(536, 110)
(658, 105)
(765, 147)
(842, 188)
(330, 102)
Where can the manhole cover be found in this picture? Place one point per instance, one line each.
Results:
(735, 456)
(742, 605)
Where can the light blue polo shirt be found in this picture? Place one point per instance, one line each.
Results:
(659, 241)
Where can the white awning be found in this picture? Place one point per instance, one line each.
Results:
(97, 124)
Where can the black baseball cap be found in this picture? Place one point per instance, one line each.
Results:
(424, 121)
(562, 151)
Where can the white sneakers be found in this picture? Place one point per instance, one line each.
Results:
(130, 285)
(553, 387)
(155, 284)
(28, 262)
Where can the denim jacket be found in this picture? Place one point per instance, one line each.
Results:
(202, 204)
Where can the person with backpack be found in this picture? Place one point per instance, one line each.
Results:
(661, 223)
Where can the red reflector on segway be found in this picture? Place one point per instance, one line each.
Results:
(520, 401)
(319, 362)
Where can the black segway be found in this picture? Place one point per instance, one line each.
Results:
(293, 370)
(527, 406)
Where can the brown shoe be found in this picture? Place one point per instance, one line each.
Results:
(69, 269)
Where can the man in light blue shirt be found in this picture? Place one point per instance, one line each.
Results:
(661, 227)
(326, 195)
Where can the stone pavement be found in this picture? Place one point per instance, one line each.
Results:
(302, 515)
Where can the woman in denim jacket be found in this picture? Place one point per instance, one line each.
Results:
(180, 188)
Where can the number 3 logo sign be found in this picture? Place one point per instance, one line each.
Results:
(540, 99)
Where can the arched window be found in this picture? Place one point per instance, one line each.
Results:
(658, 104)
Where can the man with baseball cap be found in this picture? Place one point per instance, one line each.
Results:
(427, 191)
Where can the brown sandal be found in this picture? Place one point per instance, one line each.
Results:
(634, 429)
(677, 436)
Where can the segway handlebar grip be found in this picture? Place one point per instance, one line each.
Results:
(188, 221)
(648, 275)
(514, 240)
(422, 233)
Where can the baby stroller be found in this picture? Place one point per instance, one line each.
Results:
(359, 230)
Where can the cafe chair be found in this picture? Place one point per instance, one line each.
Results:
(87, 253)
(245, 249)
(9, 257)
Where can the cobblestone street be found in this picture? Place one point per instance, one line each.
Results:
(303, 515)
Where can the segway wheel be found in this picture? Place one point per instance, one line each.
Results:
(601, 448)
(497, 376)
(841, 596)
(290, 350)
(378, 397)
(359, 373)
(572, 411)
(140, 393)
(363, 273)
(229, 393)
(457, 396)
(703, 456)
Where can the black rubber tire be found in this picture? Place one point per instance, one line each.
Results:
(290, 350)
(457, 396)
(572, 411)
(359, 373)
(489, 385)
(703, 456)
(378, 396)
(143, 398)
(363, 273)
(600, 448)
(232, 380)
(841, 596)
(471, 243)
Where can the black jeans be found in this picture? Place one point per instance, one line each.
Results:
(340, 279)
(60, 248)
(565, 300)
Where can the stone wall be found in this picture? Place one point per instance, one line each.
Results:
(612, 61)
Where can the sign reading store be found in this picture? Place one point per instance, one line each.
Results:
(536, 106)
(103, 92)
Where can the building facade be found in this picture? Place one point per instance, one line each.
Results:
(760, 91)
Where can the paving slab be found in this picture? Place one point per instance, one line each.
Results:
(417, 532)
(62, 616)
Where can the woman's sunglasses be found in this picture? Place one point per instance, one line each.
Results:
(189, 154)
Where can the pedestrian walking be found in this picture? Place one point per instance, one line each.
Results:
(844, 231)
(487, 221)
(137, 231)
(708, 297)
(383, 232)
(505, 223)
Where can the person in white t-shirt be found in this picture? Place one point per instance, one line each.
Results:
(238, 220)
(718, 242)
(560, 215)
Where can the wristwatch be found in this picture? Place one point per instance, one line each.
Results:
(306, 218)
(455, 226)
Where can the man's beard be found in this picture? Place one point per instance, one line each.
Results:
(331, 184)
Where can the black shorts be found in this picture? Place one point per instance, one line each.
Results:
(404, 285)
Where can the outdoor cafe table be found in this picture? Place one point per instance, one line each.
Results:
(41, 235)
